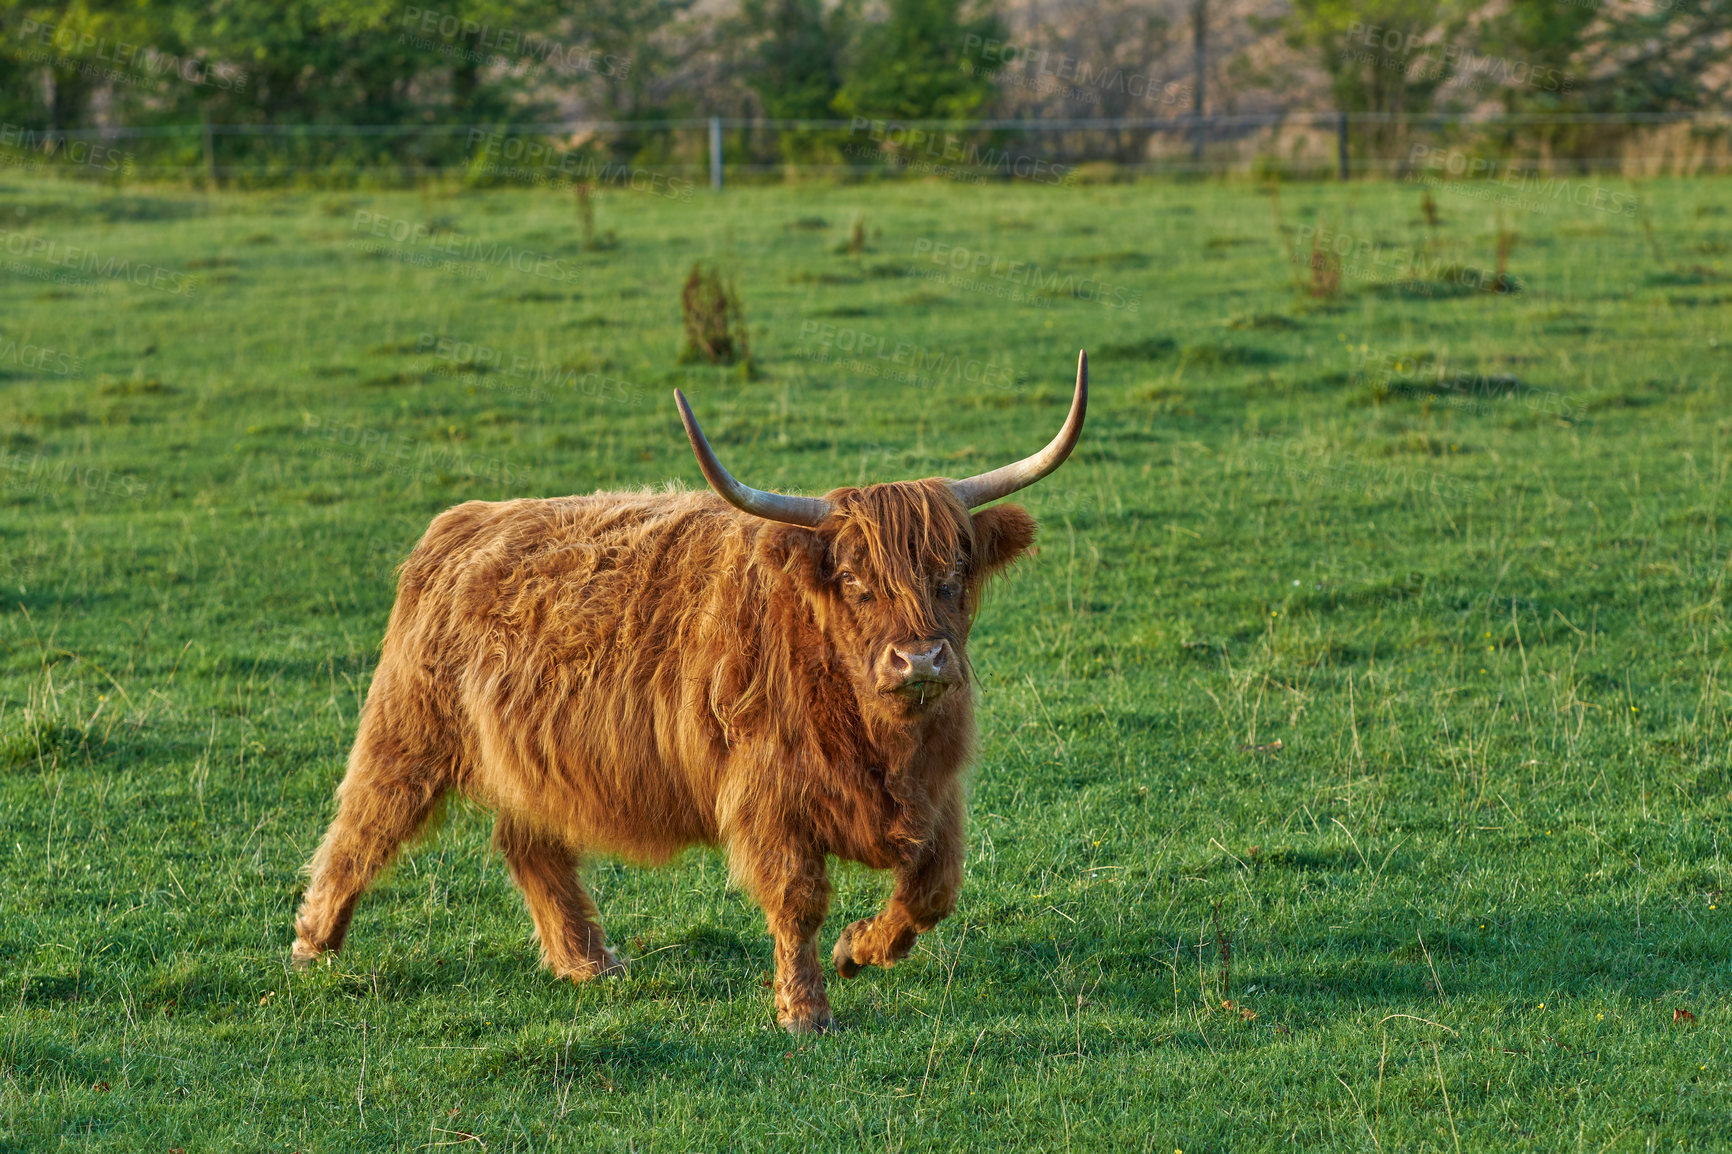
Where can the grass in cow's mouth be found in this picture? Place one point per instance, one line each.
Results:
(1405, 685)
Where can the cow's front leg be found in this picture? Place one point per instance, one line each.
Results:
(926, 890)
(793, 886)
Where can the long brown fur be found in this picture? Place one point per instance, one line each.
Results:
(635, 673)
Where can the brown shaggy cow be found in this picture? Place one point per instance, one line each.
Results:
(635, 673)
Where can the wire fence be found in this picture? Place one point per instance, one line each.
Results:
(674, 157)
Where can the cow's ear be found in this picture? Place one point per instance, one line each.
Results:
(1002, 533)
(806, 555)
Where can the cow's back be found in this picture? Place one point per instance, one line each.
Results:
(588, 654)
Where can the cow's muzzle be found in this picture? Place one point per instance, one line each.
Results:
(919, 673)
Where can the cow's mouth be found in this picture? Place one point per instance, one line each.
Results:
(921, 693)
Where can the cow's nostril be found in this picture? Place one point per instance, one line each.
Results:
(915, 665)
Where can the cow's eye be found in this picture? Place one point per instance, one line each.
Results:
(946, 590)
(852, 584)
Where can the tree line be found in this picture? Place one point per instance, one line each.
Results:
(282, 67)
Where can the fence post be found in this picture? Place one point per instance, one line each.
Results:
(716, 153)
(1341, 144)
(1199, 64)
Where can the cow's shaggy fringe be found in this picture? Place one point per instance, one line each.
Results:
(908, 532)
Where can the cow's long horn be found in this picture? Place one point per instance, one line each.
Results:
(1002, 482)
(807, 511)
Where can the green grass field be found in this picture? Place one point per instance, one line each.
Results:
(1380, 638)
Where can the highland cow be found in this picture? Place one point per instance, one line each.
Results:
(634, 673)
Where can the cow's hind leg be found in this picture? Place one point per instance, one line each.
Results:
(386, 798)
(566, 920)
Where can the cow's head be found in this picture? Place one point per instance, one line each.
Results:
(895, 571)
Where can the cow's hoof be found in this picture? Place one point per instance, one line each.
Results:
(842, 957)
(606, 965)
(813, 1024)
